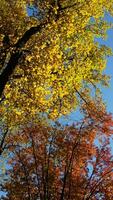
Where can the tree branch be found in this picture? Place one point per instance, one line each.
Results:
(9, 67)
(2, 141)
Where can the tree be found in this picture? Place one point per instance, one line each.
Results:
(61, 163)
(48, 55)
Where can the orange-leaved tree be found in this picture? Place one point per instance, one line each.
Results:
(60, 163)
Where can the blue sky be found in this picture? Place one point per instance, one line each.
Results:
(107, 92)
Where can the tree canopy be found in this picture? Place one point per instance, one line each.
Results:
(61, 163)
(50, 64)
(48, 54)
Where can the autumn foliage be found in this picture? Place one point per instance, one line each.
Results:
(62, 163)
(50, 64)
(48, 55)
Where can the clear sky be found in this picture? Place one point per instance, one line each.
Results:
(108, 92)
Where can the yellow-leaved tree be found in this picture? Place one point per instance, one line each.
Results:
(48, 53)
